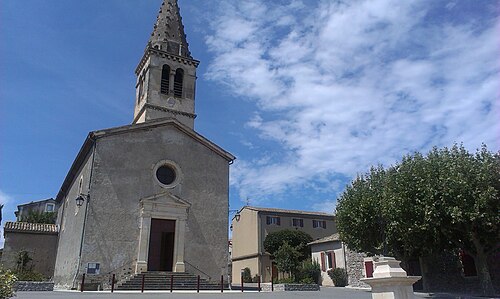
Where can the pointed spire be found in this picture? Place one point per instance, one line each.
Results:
(168, 33)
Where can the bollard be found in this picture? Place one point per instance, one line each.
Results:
(171, 283)
(142, 283)
(222, 283)
(113, 284)
(258, 282)
(242, 283)
(83, 283)
(198, 285)
(272, 279)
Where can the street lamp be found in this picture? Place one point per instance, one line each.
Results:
(80, 199)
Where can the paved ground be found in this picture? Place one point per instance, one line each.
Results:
(325, 293)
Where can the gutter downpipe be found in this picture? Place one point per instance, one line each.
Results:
(86, 210)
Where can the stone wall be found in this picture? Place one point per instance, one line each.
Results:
(355, 267)
(24, 286)
(266, 287)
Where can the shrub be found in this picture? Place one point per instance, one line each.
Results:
(255, 278)
(285, 280)
(310, 272)
(7, 279)
(338, 276)
(40, 217)
(30, 276)
(246, 275)
(307, 280)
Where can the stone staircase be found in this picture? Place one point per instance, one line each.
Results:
(154, 280)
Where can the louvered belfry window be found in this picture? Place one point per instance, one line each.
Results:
(165, 79)
(178, 80)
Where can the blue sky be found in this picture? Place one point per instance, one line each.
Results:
(306, 94)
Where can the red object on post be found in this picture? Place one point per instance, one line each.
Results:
(369, 269)
(142, 283)
(83, 283)
(113, 283)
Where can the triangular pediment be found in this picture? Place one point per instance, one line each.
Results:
(166, 198)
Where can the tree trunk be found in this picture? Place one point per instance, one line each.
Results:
(483, 271)
(483, 274)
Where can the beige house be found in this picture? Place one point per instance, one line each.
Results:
(329, 252)
(251, 225)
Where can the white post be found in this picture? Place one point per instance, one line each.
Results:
(390, 281)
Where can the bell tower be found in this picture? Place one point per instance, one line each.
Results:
(166, 74)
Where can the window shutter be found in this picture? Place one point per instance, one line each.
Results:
(323, 266)
(334, 263)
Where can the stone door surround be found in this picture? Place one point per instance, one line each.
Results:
(162, 206)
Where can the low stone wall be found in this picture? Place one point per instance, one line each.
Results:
(23, 286)
(266, 287)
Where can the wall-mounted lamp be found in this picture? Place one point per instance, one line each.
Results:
(237, 217)
(81, 199)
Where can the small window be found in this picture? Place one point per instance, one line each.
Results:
(165, 79)
(319, 224)
(49, 207)
(297, 222)
(178, 82)
(93, 268)
(273, 220)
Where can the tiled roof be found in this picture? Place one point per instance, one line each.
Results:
(331, 238)
(272, 210)
(30, 227)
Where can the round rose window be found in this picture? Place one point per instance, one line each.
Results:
(165, 174)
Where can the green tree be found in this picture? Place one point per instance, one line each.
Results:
(448, 199)
(295, 238)
(40, 217)
(287, 258)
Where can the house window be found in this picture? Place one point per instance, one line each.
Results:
(49, 207)
(93, 268)
(319, 224)
(298, 222)
(165, 79)
(178, 81)
(331, 260)
(273, 220)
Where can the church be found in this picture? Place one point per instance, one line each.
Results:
(151, 195)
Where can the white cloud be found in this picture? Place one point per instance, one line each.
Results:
(4, 198)
(352, 84)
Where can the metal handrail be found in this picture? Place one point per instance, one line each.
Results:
(199, 270)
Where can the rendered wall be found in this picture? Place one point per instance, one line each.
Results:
(40, 247)
(123, 175)
(70, 220)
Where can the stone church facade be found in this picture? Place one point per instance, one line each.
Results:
(152, 195)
